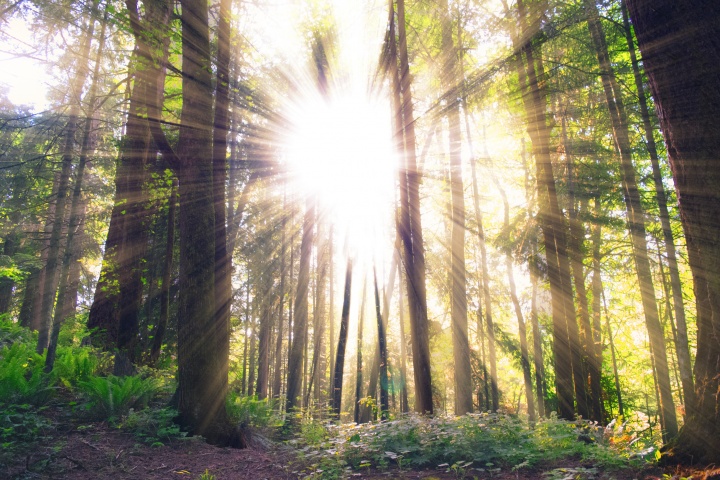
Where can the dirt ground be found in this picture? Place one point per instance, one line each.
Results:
(99, 451)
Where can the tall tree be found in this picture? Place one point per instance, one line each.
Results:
(221, 128)
(551, 218)
(681, 344)
(68, 150)
(337, 381)
(410, 225)
(682, 63)
(458, 282)
(300, 316)
(636, 220)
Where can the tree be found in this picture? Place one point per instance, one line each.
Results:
(458, 282)
(409, 225)
(636, 221)
(682, 63)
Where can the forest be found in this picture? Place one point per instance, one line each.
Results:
(400, 238)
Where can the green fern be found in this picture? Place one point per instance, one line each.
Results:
(22, 379)
(112, 396)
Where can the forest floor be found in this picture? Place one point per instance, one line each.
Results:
(97, 450)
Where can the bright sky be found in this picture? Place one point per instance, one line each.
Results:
(26, 81)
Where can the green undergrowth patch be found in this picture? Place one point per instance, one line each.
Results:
(475, 443)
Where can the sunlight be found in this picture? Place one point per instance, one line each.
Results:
(23, 76)
(340, 150)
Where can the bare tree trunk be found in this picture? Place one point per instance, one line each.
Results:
(522, 331)
(337, 383)
(410, 223)
(359, 363)
(551, 218)
(597, 347)
(221, 127)
(458, 282)
(404, 405)
(382, 349)
(576, 239)
(297, 350)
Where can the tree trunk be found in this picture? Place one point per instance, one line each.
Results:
(552, 221)
(277, 379)
(522, 331)
(51, 273)
(221, 127)
(202, 336)
(597, 346)
(265, 307)
(636, 221)
(337, 382)
(410, 222)
(681, 344)
(63, 309)
(404, 405)
(159, 333)
(382, 349)
(458, 282)
(576, 240)
(375, 359)
(359, 363)
(297, 350)
(682, 63)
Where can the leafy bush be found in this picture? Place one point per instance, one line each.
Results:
(250, 411)
(11, 332)
(112, 396)
(22, 379)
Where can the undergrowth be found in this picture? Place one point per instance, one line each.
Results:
(471, 443)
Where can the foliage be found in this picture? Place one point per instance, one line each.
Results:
(249, 411)
(11, 332)
(22, 379)
(153, 425)
(481, 442)
(112, 396)
(20, 426)
(75, 364)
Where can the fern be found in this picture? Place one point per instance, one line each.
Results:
(22, 379)
(112, 396)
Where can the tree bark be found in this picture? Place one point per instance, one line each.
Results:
(552, 221)
(458, 282)
(682, 63)
(681, 343)
(382, 349)
(297, 350)
(410, 222)
(359, 360)
(337, 382)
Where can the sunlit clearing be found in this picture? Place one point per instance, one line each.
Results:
(339, 150)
